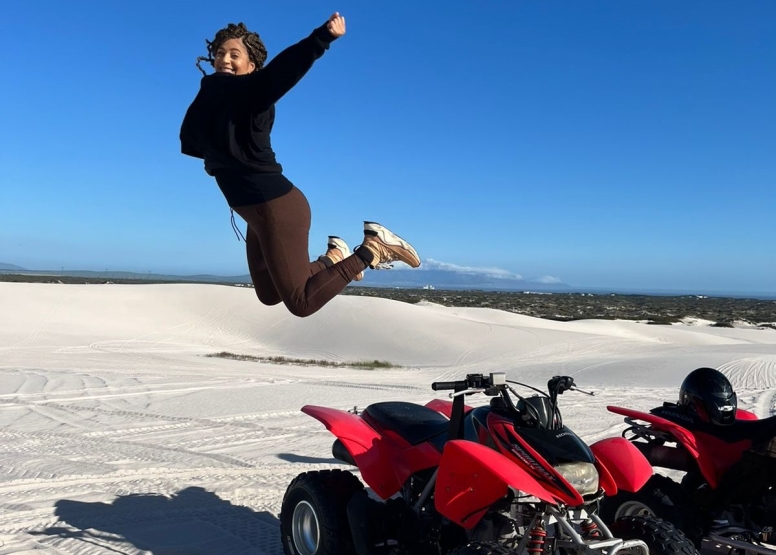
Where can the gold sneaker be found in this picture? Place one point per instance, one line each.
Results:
(338, 251)
(387, 247)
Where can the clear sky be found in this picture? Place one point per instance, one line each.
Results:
(605, 143)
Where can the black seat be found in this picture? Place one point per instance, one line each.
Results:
(755, 430)
(415, 423)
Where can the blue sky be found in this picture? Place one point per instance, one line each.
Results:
(603, 143)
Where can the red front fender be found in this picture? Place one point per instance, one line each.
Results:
(472, 477)
(627, 466)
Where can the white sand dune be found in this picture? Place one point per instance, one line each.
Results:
(117, 434)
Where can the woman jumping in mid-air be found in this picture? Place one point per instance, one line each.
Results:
(228, 126)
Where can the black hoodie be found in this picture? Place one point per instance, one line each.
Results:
(229, 123)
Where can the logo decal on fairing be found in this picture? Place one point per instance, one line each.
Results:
(517, 449)
(529, 461)
(678, 415)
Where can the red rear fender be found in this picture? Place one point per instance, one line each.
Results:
(705, 456)
(683, 435)
(472, 477)
(742, 414)
(352, 430)
(625, 464)
(379, 459)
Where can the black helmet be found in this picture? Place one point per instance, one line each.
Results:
(708, 393)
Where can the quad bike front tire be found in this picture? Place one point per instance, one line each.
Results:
(660, 497)
(661, 537)
(313, 517)
(482, 548)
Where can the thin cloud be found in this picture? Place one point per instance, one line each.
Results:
(431, 264)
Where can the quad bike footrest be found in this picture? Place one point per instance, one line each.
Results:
(747, 547)
(633, 546)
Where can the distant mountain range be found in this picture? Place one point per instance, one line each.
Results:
(451, 279)
(4, 266)
(434, 275)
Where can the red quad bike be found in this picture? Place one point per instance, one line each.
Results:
(445, 478)
(728, 492)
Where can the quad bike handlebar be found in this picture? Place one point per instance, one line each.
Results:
(497, 380)
(543, 413)
(474, 381)
(458, 386)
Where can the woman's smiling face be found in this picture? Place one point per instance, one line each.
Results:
(232, 57)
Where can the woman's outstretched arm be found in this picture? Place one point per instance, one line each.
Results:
(268, 85)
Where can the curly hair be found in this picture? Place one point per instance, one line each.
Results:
(253, 43)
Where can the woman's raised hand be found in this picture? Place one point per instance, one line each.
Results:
(336, 25)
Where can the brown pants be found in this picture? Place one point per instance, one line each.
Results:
(278, 256)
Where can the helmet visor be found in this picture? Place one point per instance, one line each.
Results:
(723, 408)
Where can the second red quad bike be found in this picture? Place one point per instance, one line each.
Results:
(445, 478)
(728, 491)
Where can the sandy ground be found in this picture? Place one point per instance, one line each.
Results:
(117, 434)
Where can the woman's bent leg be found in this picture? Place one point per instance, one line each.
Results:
(257, 266)
(283, 226)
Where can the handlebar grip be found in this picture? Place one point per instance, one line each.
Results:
(437, 386)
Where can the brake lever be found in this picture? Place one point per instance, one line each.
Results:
(575, 388)
(467, 392)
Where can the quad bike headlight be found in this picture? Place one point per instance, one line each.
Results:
(583, 476)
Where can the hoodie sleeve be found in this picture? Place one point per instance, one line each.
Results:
(268, 85)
